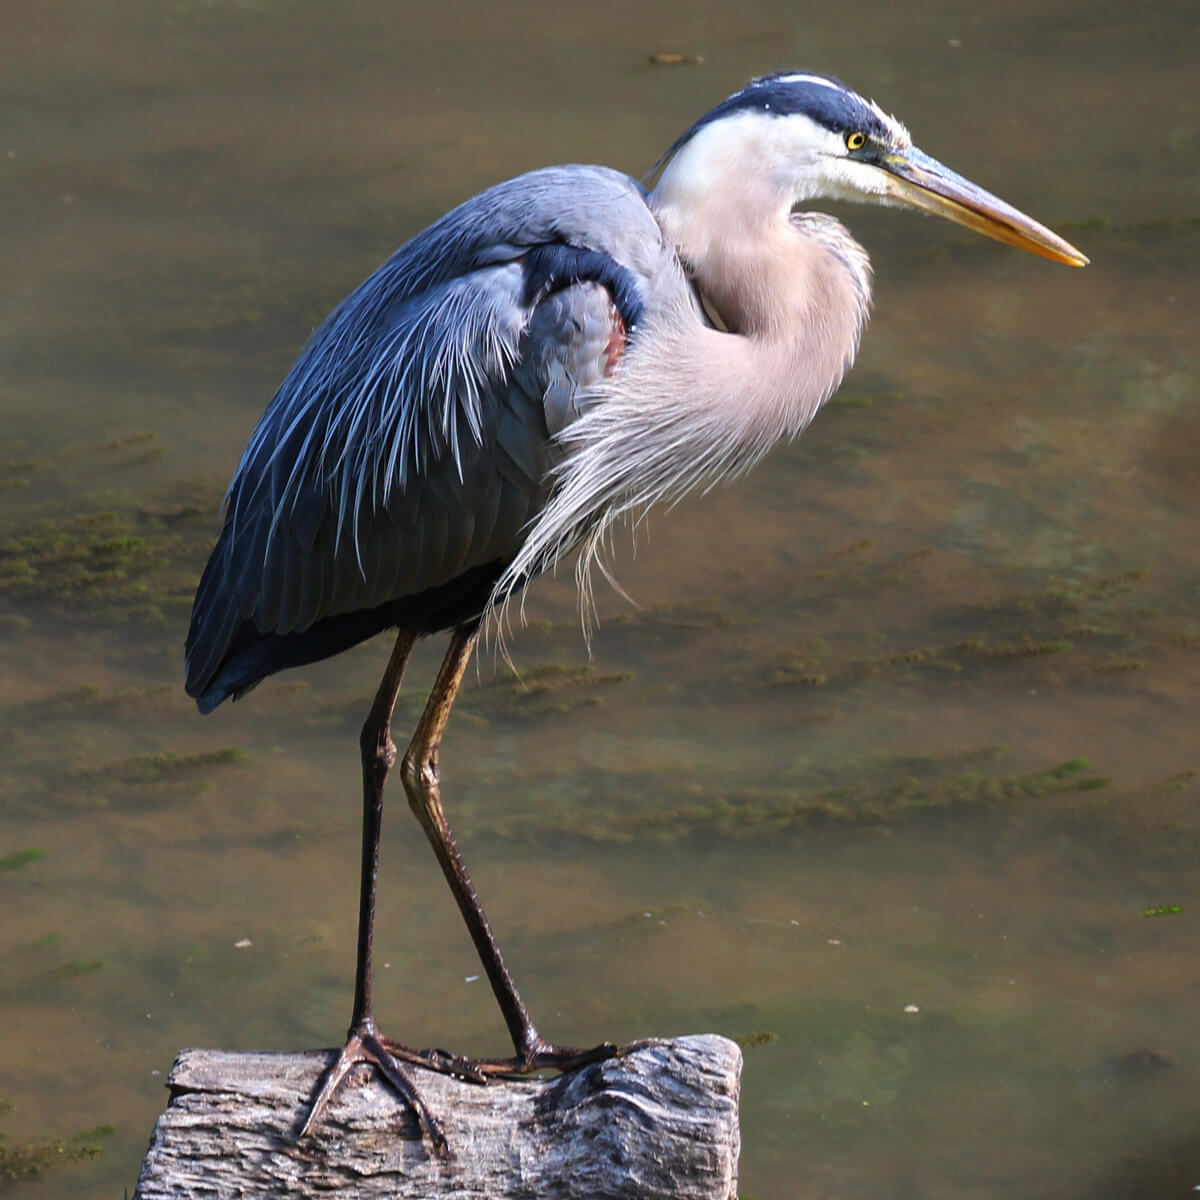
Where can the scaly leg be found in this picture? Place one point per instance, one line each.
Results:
(419, 770)
(363, 1041)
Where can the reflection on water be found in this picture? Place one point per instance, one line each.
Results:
(890, 761)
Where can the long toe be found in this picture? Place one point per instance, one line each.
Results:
(541, 1057)
(436, 1059)
(571, 1058)
(366, 1046)
(545, 1057)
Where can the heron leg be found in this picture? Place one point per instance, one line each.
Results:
(364, 1043)
(419, 771)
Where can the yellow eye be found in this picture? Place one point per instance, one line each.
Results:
(856, 140)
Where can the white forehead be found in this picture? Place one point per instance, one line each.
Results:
(899, 133)
(901, 138)
(802, 77)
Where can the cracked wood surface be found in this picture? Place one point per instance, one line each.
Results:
(658, 1121)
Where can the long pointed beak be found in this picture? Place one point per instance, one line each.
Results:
(918, 181)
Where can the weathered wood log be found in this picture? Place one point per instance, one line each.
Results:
(659, 1120)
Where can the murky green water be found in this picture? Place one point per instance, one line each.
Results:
(832, 767)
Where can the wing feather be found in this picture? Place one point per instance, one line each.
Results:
(409, 443)
(312, 588)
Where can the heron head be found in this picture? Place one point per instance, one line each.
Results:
(794, 137)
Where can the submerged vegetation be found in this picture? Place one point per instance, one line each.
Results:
(141, 781)
(33, 1159)
(116, 558)
(620, 807)
(1088, 629)
(22, 858)
(98, 565)
(547, 689)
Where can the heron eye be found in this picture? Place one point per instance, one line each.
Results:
(855, 140)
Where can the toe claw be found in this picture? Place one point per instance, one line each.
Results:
(335, 1072)
(391, 1070)
(368, 1047)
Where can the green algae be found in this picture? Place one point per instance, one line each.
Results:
(1087, 630)
(74, 969)
(1173, 783)
(1069, 768)
(92, 559)
(90, 701)
(118, 557)
(709, 612)
(752, 1041)
(143, 780)
(153, 768)
(151, 780)
(31, 1160)
(607, 806)
(1062, 595)
(14, 862)
(37, 971)
(47, 941)
(542, 690)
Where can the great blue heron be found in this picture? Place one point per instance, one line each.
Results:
(558, 352)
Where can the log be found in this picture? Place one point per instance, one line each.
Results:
(658, 1120)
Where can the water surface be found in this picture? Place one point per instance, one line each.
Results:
(891, 758)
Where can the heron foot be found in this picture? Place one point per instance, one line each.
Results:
(365, 1045)
(541, 1056)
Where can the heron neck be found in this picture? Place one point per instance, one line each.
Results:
(793, 292)
(689, 404)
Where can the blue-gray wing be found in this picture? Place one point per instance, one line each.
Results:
(410, 444)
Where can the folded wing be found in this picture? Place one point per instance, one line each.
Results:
(392, 477)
